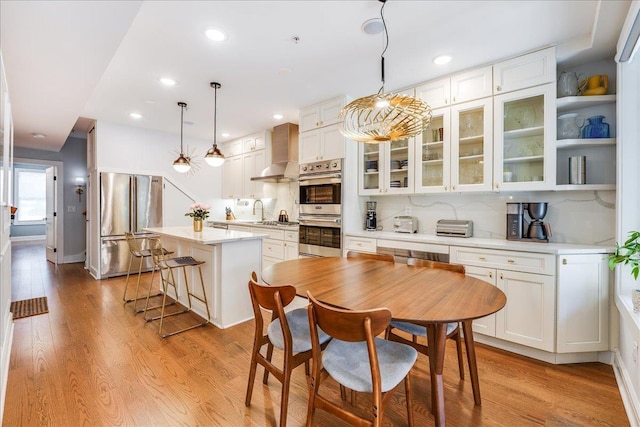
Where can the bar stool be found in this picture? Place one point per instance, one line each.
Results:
(165, 267)
(136, 251)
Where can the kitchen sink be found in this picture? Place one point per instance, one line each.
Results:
(274, 223)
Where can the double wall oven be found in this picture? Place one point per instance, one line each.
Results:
(321, 209)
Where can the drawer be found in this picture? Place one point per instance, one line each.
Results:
(273, 234)
(360, 244)
(291, 236)
(273, 248)
(529, 262)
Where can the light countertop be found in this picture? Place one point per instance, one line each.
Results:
(253, 223)
(477, 242)
(208, 235)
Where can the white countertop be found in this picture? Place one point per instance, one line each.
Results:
(253, 223)
(477, 242)
(208, 236)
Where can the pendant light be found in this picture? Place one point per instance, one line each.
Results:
(384, 116)
(214, 157)
(182, 163)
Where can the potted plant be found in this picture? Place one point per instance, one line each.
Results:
(629, 254)
(199, 212)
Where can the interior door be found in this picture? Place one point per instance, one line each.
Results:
(51, 219)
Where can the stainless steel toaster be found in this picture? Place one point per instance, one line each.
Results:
(454, 228)
(405, 224)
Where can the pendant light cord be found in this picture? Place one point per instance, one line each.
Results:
(215, 114)
(386, 45)
(181, 124)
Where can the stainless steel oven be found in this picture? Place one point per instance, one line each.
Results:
(321, 208)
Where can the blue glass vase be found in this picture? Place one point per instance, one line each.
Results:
(596, 128)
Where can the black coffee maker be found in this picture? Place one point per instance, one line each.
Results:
(518, 228)
(370, 222)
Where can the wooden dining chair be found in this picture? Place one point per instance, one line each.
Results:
(363, 255)
(453, 329)
(288, 332)
(356, 358)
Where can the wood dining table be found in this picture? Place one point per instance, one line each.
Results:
(426, 296)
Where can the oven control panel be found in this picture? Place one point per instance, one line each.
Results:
(323, 166)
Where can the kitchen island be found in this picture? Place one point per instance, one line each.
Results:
(229, 256)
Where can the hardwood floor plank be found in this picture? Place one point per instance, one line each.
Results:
(92, 361)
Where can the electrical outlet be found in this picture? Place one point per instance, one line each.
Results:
(634, 352)
(71, 208)
(407, 210)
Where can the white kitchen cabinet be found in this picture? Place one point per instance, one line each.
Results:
(532, 69)
(232, 148)
(432, 158)
(359, 244)
(485, 325)
(321, 114)
(529, 316)
(232, 177)
(583, 303)
(291, 245)
(436, 93)
(253, 163)
(253, 143)
(600, 153)
(387, 168)
(472, 84)
(325, 143)
(524, 128)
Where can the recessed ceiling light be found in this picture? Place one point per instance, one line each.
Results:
(225, 135)
(442, 59)
(372, 26)
(38, 135)
(216, 35)
(136, 116)
(167, 81)
(278, 116)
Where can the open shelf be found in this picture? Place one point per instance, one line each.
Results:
(521, 133)
(572, 102)
(565, 144)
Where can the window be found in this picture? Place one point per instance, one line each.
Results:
(31, 194)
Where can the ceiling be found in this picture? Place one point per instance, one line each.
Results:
(71, 60)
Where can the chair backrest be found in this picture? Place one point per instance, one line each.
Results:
(158, 253)
(457, 268)
(379, 257)
(275, 299)
(348, 325)
(133, 243)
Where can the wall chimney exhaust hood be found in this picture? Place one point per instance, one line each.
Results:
(284, 153)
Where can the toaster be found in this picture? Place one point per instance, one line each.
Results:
(405, 224)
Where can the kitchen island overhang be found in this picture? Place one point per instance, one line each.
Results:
(230, 257)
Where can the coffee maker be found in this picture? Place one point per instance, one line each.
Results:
(533, 229)
(370, 222)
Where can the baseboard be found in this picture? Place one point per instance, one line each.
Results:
(629, 399)
(69, 259)
(27, 238)
(5, 358)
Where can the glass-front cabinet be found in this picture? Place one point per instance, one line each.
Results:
(433, 153)
(386, 168)
(525, 133)
(471, 143)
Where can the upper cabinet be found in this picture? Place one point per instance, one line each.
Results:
(320, 137)
(322, 114)
(245, 158)
(524, 71)
(462, 87)
(385, 168)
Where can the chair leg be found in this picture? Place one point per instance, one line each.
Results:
(269, 355)
(284, 398)
(460, 356)
(252, 371)
(407, 390)
(126, 283)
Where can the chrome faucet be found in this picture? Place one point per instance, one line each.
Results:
(262, 218)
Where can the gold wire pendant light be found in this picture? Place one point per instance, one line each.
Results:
(214, 156)
(384, 116)
(182, 164)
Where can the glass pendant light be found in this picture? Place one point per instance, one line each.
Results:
(214, 156)
(182, 163)
(384, 116)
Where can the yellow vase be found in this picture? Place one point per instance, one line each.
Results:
(197, 224)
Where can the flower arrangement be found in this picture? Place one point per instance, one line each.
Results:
(198, 211)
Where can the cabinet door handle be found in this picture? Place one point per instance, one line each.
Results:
(564, 261)
(445, 188)
(490, 274)
(501, 276)
(498, 88)
(446, 100)
(453, 187)
(481, 258)
(454, 99)
(511, 261)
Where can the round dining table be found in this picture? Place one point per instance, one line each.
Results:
(426, 296)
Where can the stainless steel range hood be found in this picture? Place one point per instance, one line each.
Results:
(284, 154)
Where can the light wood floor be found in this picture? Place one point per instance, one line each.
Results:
(91, 361)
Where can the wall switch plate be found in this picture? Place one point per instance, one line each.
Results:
(71, 208)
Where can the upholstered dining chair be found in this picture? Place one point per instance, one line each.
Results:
(364, 255)
(356, 358)
(453, 329)
(288, 332)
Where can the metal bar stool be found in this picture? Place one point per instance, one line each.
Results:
(136, 251)
(165, 267)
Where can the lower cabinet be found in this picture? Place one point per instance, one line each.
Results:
(485, 325)
(359, 244)
(280, 245)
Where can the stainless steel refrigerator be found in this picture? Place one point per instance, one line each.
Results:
(127, 203)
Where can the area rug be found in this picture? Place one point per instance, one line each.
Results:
(29, 307)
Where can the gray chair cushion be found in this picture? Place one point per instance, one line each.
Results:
(348, 363)
(298, 321)
(418, 330)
